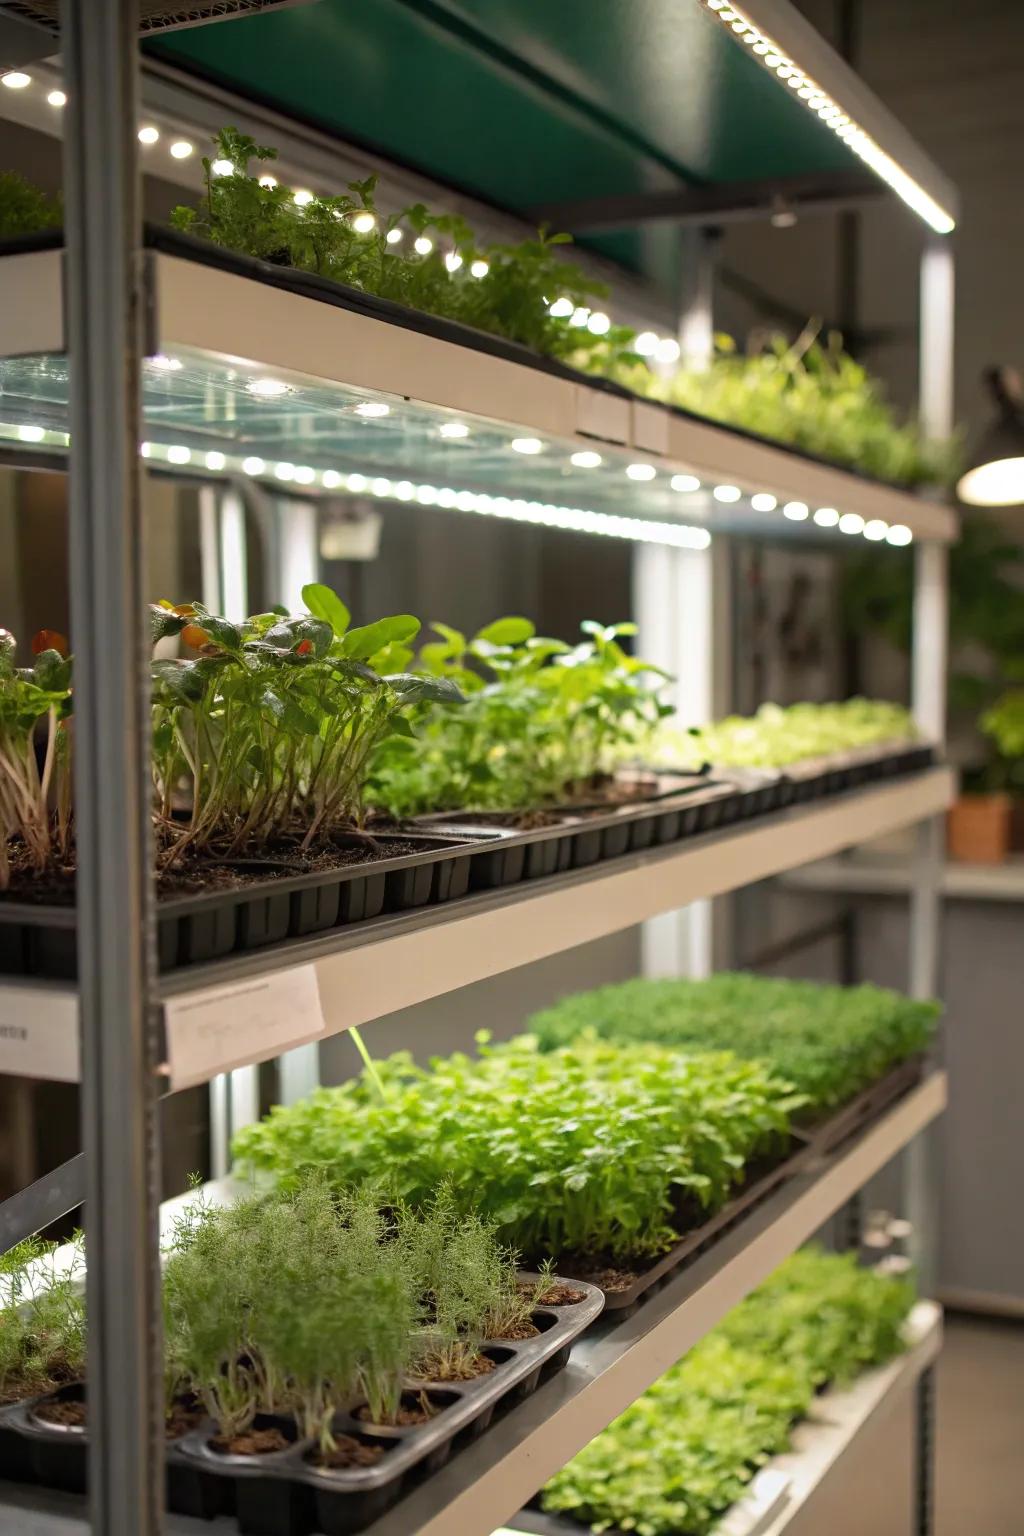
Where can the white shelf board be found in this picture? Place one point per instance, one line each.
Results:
(203, 312)
(487, 1482)
(395, 962)
(873, 873)
(836, 1420)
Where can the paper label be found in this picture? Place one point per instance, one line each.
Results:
(236, 1023)
(39, 1033)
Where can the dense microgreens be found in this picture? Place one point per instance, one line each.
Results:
(686, 1451)
(272, 725)
(808, 393)
(35, 802)
(776, 737)
(541, 723)
(830, 1042)
(42, 1318)
(594, 1151)
(313, 1300)
(325, 235)
(25, 209)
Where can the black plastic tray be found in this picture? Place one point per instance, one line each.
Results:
(282, 1494)
(577, 836)
(851, 770)
(39, 940)
(851, 1118)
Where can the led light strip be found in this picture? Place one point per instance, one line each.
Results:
(821, 104)
(545, 514)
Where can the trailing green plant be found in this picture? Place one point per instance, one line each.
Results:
(810, 394)
(777, 736)
(686, 1450)
(504, 289)
(35, 799)
(42, 1317)
(26, 209)
(595, 1150)
(542, 721)
(271, 727)
(829, 1042)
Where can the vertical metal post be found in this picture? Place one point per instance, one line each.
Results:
(681, 604)
(924, 1454)
(115, 895)
(929, 705)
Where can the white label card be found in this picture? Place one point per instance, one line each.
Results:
(39, 1032)
(231, 1025)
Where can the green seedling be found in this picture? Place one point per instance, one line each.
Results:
(35, 800)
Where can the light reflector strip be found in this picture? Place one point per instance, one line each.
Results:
(818, 102)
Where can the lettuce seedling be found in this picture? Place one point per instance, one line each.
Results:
(776, 737)
(35, 800)
(686, 1450)
(542, 724)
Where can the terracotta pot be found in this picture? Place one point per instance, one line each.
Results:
(978, 829)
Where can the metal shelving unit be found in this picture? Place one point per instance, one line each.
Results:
(120, 1031)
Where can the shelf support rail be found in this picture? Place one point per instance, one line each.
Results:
(104, 281)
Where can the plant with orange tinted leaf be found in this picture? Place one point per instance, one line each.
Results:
(35, 787)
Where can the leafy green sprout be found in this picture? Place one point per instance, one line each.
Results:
(272, 726)
(1003, 724)
(542, 723)
(35, 801)
(777, 736)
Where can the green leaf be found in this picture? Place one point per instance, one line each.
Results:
(324, 603)
(180, 680)
(52, 671)
(164, 622)
(371, 638)
(414, 689)
(508, 631)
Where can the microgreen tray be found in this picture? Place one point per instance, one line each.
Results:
(282, 1493)
(851, 1118)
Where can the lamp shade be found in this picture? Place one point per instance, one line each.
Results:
(995, 473)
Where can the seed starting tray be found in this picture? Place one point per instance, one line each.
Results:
(851, 1118)
(282, 1493)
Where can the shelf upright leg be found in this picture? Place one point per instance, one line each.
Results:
(924, 1454)
(680, 601)
(116, 958)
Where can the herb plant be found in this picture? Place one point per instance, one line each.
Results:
(24, 208)
(811, 395)
(311, 1300)
(504, 289)
(42, 1318)
(272, 725)
(35, 801)
(542, 723)
(598, 1150)
(1003, 724)
(685, 1451)
(830, 1042)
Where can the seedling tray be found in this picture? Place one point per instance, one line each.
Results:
(282, 1493)
(577, 836)
(39, 940)
(708, 1233)
(851, 770)
(851, 1118)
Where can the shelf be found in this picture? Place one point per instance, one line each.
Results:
(221, 322)
(836, 1421)
(252, 1007)
(492, 1478)
(870, 873)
